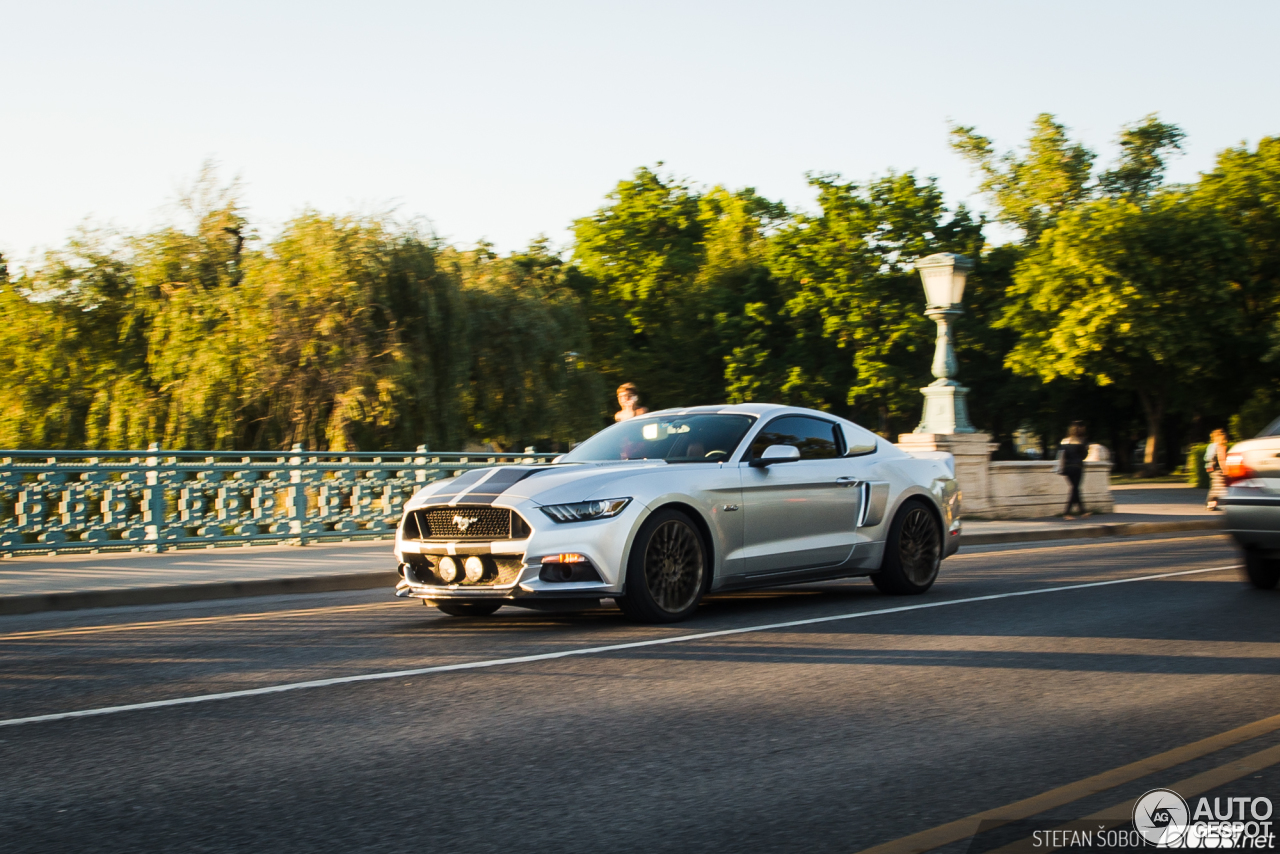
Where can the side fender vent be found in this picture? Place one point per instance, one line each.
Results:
(875, 498)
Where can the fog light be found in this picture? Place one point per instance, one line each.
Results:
(449, 570)
(474, 567)
(567, 558)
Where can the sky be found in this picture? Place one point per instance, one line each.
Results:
(503, 121)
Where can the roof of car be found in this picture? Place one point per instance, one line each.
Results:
(730, 408)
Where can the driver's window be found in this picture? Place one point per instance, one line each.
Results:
(816, 439)
(706, 440)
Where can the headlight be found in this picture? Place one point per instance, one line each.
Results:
(581, 511)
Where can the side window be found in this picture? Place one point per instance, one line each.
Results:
(816, 439)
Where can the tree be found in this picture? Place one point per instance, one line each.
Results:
(1144, 149)
(359, 338)
(1131, 296)
(72, 352)
(861, 342)
(530, 375)
(1244, 190)
(666, 274)
(1030, 189)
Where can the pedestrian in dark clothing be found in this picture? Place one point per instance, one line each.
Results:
(1071, 454)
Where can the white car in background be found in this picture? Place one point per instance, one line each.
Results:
(1252, 503)
(657, 511)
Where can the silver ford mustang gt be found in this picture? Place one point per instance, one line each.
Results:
(656, 511)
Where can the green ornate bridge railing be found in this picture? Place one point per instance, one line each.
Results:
(152, 500)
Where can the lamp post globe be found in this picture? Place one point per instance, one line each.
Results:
(944, 276)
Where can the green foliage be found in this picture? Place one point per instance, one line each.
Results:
(341, 334)
(1244, 191)
(1257, 413)
(860, 342)
(1030, 189)
(1147, 311)
(650, 309)
(1196, 475)
(1143, 147)
(1118, 294)
(529, 375)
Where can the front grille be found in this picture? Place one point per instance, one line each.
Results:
(465, 523)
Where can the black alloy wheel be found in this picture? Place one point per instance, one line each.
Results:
(667, 571)
(465, 609)
(913, 552)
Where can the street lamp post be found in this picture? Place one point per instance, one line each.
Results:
(945, 407)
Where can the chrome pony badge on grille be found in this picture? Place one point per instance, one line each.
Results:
(464, 522)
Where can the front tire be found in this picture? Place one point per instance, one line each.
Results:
(912, 554)
(667, 570)
(1263, 572)
(467, 609)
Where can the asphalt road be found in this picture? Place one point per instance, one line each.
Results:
(833, 735)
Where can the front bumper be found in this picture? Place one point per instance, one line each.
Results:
(519, 580)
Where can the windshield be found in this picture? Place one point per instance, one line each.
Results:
(1272, 430)
(690, 439)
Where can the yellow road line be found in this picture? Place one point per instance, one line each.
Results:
(1122, 813)
(193, 621)
(961, 829)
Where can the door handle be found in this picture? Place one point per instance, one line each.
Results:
(846, 481)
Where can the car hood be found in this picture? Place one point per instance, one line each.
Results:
(550, 484)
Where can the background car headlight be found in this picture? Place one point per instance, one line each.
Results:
(581, 511)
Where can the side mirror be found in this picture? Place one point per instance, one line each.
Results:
(776, 454)
(860, 449)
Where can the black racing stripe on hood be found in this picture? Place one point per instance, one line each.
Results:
(488, 492)
(464, 482)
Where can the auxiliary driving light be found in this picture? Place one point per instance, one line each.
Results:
(449, 570)
(474, 567)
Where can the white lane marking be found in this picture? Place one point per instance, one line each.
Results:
(473, 487)
(593, 650)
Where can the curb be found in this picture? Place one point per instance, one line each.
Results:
(1113, 529)
(37, 602)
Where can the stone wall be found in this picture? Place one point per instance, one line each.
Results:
(1026, 490)
(1010, 490)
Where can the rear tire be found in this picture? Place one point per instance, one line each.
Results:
(1263, 572)
(667, 570)
(913, 552)
(467, 609)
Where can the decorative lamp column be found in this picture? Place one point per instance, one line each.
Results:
(945, 408)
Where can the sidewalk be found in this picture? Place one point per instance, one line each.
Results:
(1140, 509)
(67, 582)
